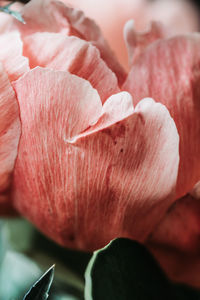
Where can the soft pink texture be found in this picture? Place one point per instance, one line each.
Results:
(9, 137)
(12, 66)
(54, 16)
(71, 54)
(178, 15)
(85, 190)
(90, 167)
(175, 63)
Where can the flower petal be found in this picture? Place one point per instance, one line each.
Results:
(14, 63)
(117, 180)
(54, 16)
(71, 54)
(180, 227)
(179, 266)
(9, 130)
(136, 42)
(176, 240)
(169, 71)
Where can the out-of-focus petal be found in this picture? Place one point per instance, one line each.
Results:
(180, 228)
(195, 192)
(175, 241)
(6, 207)
(177, 15)
(6, 20)
(169, 71)
(115, 180)
(14, 63)
(71, 54)
(179, 266)
(9, 130)
(136, 42)
(54, 16)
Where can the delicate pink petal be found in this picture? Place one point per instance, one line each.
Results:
(177, 15)
(71, 54)
(169, 71)
(84, 191)
(88, 30)
(9, 130)
(136, 42)
(54, 16)
(14, 63)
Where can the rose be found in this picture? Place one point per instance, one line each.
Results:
(86, 173)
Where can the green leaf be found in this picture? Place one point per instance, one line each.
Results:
(126, 270)
(17, 274)
(24, 253)
(40, 290)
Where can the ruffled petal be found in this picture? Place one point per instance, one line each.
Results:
(14, 63)
(169, 71)
(9, 131)
(117, 179)
(71, 54)
(136, 42)
(54, 16)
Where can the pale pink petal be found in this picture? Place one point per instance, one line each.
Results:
(9, 130)
(54, 16)
(116, 181)
(11, 57)
(136, 42)
(177, 15)
(169, 71)
(71, 54)
(87, 29)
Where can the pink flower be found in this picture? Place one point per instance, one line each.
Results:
(86, 154)
(179, 16)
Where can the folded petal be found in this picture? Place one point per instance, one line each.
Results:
(169, 71)
(54, 16)
(71, 54)
(117, 180)
(14, 63)
(9, 130)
